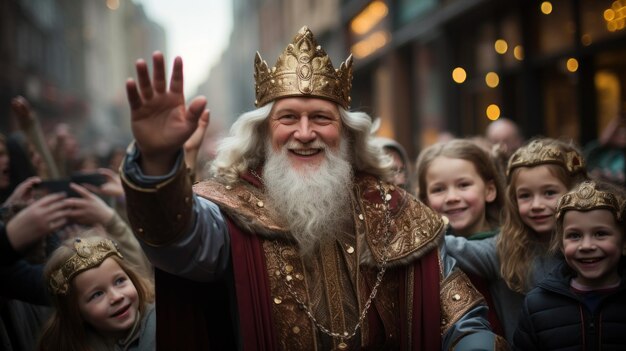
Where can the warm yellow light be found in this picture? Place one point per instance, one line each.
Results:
(492, 79)
(493, 112)
(459, 75)
(501, 46)
(518, 52)
(369, 17)
(586, 39)
(113, 4)
(546, 7)
(609, 14)
(572, 65)
(370, 44)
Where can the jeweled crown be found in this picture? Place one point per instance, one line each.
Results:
(587, 197)
(539, 152)
(88, 254)
(303, 69)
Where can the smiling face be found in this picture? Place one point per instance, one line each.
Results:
(307, 128)
(593, 245)
(107, 298)
(456, 190)
(537, 191)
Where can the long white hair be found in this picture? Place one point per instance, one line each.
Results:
(244, 147)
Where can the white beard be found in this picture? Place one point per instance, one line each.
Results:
(315, 203)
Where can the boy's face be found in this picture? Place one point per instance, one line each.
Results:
(593, 245)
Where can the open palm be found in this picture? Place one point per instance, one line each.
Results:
(161, 122)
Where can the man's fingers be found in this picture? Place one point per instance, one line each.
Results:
(158, 69)
(134, 100)
(176, 85)
(196, 108)
(145, 86)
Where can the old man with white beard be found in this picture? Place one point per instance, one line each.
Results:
(297, 242)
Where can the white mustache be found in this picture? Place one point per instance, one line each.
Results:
(315, 144)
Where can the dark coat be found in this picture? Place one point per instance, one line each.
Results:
(555, 318)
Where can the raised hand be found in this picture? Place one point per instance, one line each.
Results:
(160, 120)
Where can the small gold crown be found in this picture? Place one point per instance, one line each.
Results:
(586, 197)
(303, 69)
(539, 152)
(89, 254)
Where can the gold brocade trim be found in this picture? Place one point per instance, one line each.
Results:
(334, 290)
(413, 226)
(293, 328)
(586, 197)
(458, 296)
(244, 203)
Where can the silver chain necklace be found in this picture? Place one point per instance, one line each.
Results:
(379, 278)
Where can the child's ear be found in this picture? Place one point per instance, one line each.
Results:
(490, 191)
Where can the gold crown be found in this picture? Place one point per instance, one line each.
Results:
(586, 197)
(89, 254)
(539, 152)
(303, 69)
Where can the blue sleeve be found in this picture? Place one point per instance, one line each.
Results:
(475, 256)
(472, 331)
(203, 254)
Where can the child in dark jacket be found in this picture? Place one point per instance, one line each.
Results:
(582, 305)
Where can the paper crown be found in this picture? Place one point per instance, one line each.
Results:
(88, 254)
(586, 197)
(303, 69)
(539, 152)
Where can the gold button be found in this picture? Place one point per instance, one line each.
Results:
(278, 300)
(289, 278)
(388, 197)
(350, 249)
(228, 187)
(277, 272)
(299, 276)
(342, 346)
(361, 216)
(288, 268)
(456, 297)
(260, 204)
(295, 330)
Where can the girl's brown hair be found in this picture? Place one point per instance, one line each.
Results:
(66, 330)
(517, 245)
(467, 150)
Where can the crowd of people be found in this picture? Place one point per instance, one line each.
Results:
(304, 231)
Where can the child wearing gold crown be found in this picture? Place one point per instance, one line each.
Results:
(585, 297)
(101, 302)
(515, 260)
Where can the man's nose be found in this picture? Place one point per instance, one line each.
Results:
(304, 132)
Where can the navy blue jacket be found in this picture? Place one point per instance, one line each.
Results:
(555, 318)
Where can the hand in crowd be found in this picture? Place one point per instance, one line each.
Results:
(160, 120)
(112, 187)
(39, 219)
(88, 209)
(23, 192)
(24, 112)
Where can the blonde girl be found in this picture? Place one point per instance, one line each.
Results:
(101, 302)
(459, 180)
(517, 259)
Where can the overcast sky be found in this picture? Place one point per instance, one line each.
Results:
(197, 30)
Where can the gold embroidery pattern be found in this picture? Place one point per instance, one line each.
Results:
(241, 200)
(413, 225)
(334, 290)
(458, 296)
(294, 330)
